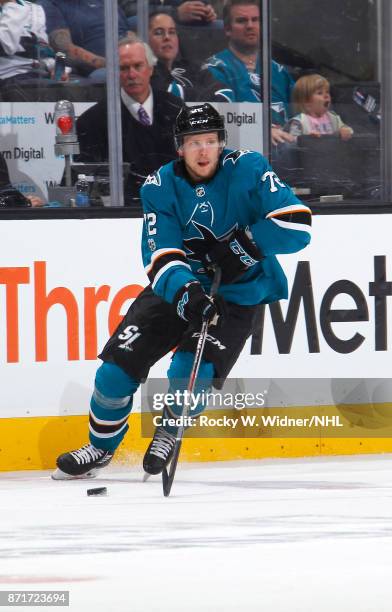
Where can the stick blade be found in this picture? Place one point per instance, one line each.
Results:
(168, 476)
(166, 484)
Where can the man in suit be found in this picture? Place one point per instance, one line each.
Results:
(147, 114)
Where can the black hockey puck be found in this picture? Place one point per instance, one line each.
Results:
(97, 491)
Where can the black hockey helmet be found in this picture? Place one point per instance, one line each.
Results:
(197, 120)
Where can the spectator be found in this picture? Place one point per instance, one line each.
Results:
(23, 41)
(147, 119)
(188, 12)
(239, 67)
(77, 27)
(312, 101)
(179, 76)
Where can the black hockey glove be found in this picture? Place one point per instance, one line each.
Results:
(234, 256)
(195, 306)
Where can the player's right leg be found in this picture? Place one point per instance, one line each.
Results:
(148, 331)
(110, 407)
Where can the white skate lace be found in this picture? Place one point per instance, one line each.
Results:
(88, 453)
(162, 444)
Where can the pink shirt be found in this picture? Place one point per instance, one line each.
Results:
(321, 125)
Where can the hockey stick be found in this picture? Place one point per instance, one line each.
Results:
(168, 476)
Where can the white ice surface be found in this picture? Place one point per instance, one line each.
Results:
(307, 535)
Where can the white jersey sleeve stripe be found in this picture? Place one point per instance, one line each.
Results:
(300, 227)
(166, 267)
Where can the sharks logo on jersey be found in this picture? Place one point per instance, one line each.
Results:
(235, 155)
(198, 246)
(153, 179)
(203, 213)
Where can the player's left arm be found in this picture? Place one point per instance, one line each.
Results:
(285, 222)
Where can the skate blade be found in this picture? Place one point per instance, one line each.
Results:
(146, 476)
(60, 475)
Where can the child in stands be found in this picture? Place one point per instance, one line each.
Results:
(312, 101)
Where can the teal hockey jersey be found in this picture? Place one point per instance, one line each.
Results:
(184, 220)
(228, 69)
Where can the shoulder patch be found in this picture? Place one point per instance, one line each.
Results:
(213, 61)
(153, 179)
(234, 156)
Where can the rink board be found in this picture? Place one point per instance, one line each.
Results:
(64, 285)
(34, 443)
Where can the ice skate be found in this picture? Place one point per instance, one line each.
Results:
(159, 451)
(84, 462)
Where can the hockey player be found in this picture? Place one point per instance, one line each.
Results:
(213, 206)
